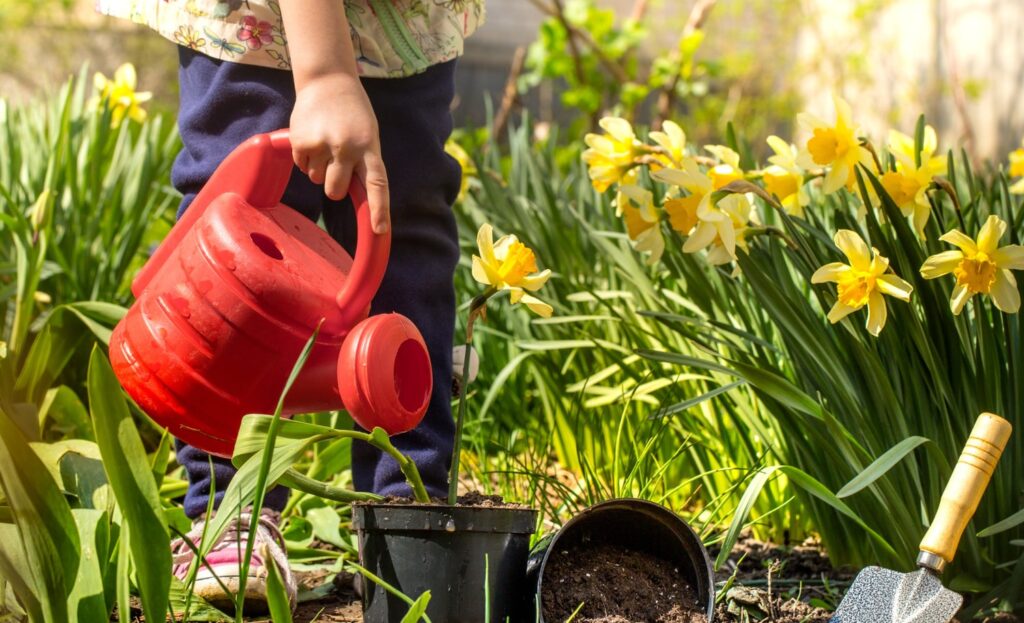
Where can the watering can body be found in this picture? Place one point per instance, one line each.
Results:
(226, 304)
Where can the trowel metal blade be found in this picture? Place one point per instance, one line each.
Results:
(884, 596)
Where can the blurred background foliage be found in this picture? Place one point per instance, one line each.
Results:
(750, 62)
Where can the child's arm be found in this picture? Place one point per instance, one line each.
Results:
(333, 128)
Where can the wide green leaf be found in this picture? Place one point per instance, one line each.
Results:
(14, 568)
(46, 529)
(88, 600)
(128, 472)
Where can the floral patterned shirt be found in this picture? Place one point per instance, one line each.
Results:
(392, 38)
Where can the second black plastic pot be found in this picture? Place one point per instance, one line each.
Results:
(637, 525)
(450, 551)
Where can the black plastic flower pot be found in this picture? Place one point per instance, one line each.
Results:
(636, 525)
(453, 552)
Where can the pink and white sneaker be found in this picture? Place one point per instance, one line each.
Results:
(218, 580)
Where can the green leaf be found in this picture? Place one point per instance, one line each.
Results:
(77, 466)
(15, 570)
(1009, 523)
(277, 595)
(88, 601)
(696, 400)
(325, 522)
(97, 316)
(811, 485)
(417, 609)
(880, 466)
(128, 472)
(64, 408)
(46, 528)
(739, 517)
(199, 608)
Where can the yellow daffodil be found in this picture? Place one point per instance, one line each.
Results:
(682, 212)
(637, 207)
(728, 168)
(121, 96)
(980, 267)
(908, 184)
(834, 146)
(611, 156)
(672, 141)
(862, 282)
(740, 212)
(469, 171)
(712, 225)
(784, 178)
(1017, 170)
(510, 265)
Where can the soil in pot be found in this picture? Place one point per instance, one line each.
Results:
(616, 585)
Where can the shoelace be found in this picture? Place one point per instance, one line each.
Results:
(267, 534)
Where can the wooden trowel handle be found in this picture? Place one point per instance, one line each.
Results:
(964, 490)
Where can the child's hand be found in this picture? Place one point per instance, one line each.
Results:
(334, 135)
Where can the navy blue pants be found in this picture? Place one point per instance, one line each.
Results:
(224, 103)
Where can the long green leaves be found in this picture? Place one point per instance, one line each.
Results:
(127, 467)
(45, 550)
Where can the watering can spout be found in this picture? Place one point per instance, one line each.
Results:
(229, 300)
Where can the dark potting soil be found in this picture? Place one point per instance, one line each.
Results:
(616, 585)
(474, 499)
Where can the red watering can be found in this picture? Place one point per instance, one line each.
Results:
(228, 301)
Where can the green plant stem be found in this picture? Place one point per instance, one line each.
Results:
(475, 308)
(380, 439)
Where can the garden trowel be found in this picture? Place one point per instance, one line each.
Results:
(885, 596)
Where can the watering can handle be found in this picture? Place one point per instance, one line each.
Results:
(372, 249)
(258, 170)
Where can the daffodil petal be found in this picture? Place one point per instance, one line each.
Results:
(618, 128)
(536, 282)
(854, 248)
(991, 232)
(537, 306)
(701, 237)
(807, 121)
(1004, 292)
(877, 313)
(840, 311)
(1010, 256)
(727, 233)
(830, 272)
(480, 272)
(779, 146)
(941, 264)
(958, 238)
(921, 216)
(835, 179)
(485, 242)
(961, 294)
(894, 287)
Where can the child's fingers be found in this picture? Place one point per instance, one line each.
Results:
(316, 167)
(338, 177)
(376, 179)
